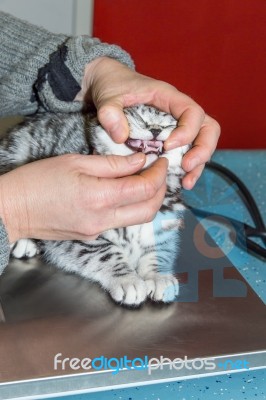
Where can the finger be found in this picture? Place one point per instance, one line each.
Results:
(138, 213)
(189, 114)
(110, 166)
(190, 179)
(189, 125)
(203, 146)
(113, 120)
(113, 193)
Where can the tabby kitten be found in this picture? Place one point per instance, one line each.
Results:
(132, 263)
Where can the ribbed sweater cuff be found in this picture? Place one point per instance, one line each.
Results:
(60, 80)
(40, 70)
(4, 247)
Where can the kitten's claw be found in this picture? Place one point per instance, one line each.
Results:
(162, 287)
(129, 290)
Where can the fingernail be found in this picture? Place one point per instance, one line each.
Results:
(118, 133)
(111, 117)
(193, 163)
(136, 158)
(193, 181)
(189, 184)
(171, 144)
(112, 123)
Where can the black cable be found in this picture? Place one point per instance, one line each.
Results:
(243, 230)
(244, 192)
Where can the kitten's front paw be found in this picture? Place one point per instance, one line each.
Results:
(162, 287)
(129, 290)
(24, 248)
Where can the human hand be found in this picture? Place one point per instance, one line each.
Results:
(111, 86)
(76, 196)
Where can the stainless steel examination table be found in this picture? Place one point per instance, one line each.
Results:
(46, 312)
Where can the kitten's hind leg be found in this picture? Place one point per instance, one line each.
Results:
(15, 149)
(24, 248)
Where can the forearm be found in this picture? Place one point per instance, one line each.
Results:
(41, 69)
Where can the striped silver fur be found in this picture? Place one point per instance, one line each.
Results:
(132, 263)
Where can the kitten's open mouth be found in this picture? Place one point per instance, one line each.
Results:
(146, 146)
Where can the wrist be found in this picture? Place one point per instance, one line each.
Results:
(88, 78)
(11, 209)
(94, 72)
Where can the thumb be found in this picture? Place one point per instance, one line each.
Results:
(113, 120)
(111, 166)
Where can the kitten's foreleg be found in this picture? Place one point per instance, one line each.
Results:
(102, 263)
(127, 289)
(159, 279)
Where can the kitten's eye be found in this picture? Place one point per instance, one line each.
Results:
(170, 127)
(141, 121)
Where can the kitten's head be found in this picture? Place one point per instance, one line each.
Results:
(148, 130)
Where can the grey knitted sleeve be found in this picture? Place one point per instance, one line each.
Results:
(4, 247)
(39, 69)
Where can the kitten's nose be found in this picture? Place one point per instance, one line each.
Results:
(155, 132)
